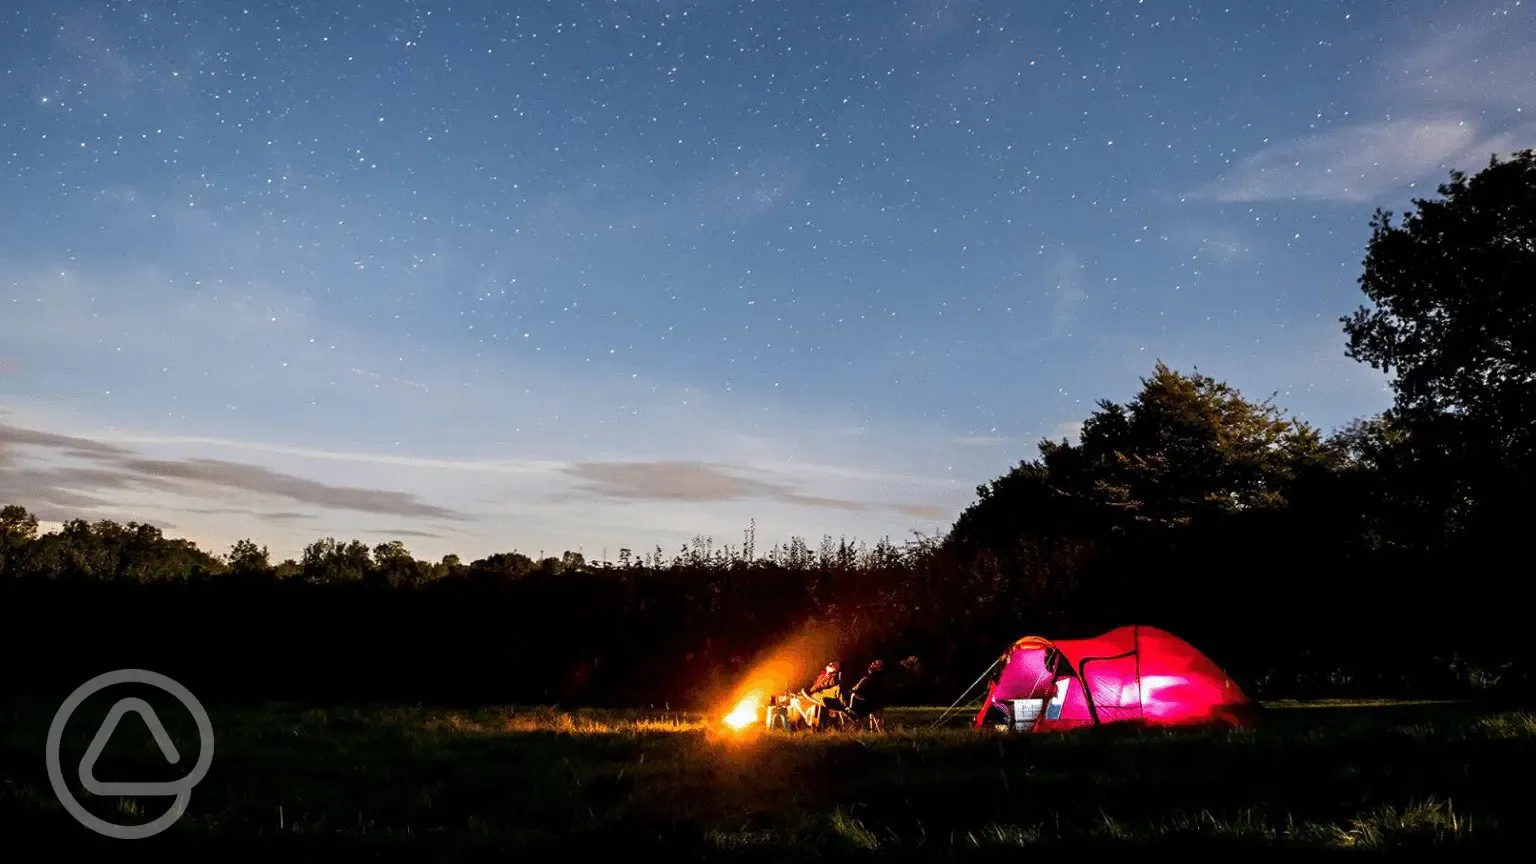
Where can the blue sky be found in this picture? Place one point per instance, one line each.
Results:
(548, 276)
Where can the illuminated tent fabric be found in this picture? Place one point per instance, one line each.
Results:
(1136, 674)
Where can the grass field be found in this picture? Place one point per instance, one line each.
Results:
(439, 784)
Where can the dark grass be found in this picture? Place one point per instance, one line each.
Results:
(413, 783)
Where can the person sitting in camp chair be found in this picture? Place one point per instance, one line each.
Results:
(866, 701)
(825, 695)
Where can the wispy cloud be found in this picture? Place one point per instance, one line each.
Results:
(1067, 292)
(523, 467)
(1484, 60)
(67, 476)
(63, 490)
(1209, 242)
(258, 480)
(1351, 164)
(279, 516)
(700, 482)
(673, 481)
(979, 440)
(394, 533)
(1458, 94)
(921, 511)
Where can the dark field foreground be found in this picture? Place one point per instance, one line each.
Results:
(438, 784)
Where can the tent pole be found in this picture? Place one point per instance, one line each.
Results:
(945, 715)
(1141, 702)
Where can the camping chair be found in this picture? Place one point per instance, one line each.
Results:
(874, 721)
(804, 710)
(871, 718)
(847, 715)
(819, 715)
(847, 718)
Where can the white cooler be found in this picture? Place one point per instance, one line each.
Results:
(1025, 713)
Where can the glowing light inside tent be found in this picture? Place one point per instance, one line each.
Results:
(1154, 684)
(1133, 674)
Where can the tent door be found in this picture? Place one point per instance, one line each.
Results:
(1059, 698)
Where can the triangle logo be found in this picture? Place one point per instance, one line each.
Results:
(99, 743)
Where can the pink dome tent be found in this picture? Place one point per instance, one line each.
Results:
(1131, 675)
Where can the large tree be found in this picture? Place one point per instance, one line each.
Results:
(1185, 448)
(1453, 320)
(17, 529)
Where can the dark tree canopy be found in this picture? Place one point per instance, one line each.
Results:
(1453, 319)
(1454, 293)
(1186, 447)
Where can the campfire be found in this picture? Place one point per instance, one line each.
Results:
(745, 713)
(784, 711)
(761, 699)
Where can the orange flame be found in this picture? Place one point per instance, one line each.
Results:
(745, 712)
(795, 661)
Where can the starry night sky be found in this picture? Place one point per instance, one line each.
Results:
(549, 275)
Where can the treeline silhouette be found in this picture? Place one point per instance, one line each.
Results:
(1387, 558)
